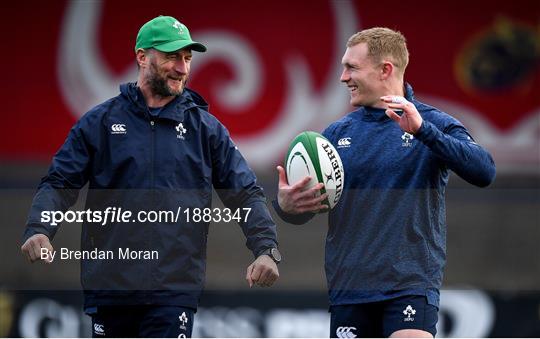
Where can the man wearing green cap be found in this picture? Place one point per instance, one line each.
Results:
(154, 147)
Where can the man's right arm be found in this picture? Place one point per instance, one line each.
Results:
(57, 191)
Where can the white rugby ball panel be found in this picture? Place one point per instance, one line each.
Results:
(299, 165)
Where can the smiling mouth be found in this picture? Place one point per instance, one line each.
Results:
(353, 89)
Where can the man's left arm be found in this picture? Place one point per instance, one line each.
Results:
(458, 150)
(236, 185)
(454, 146)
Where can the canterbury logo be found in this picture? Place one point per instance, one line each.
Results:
(98, 329)
(344, 142)
(118, 129)
(345, 332)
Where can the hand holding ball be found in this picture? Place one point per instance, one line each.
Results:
(311, 154)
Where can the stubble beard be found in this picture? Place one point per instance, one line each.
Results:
(158, 83)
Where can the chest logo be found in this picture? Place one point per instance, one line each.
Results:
(407, 139)
(118, 129)
(181, 131)
(344, 142)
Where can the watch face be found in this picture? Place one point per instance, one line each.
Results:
(275, 254)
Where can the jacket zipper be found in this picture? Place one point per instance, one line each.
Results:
(152, 194)
(152, 154)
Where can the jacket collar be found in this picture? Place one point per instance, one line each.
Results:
(174, 110)
(378, 114)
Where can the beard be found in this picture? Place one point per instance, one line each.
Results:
(158, 83)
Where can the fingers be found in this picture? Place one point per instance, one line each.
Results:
(313, 205)
(396, 102)
(26, 252)
(299, 198)
(282, 177)
(301, 201)
(394, 99)
(284, 184)
(392, 115)
(255, 273)
(35, 251)
(311, 200)
(262, 272)
(45, 243)
(268, 277)
(301, 185)
(248, 275)
(311, 193)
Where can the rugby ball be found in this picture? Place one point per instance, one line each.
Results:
(311, 154)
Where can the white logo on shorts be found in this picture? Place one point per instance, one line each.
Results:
(408, 311)
(345, 332)
(98, 329)
(183, 318)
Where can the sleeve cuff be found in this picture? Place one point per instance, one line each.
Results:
(426, 131)
(295, 219)
(33, 229)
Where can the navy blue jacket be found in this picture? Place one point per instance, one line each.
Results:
(387, 234)
(137, 161)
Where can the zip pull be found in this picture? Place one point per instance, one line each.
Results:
(152, 123)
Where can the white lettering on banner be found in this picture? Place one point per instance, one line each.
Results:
(471, 314)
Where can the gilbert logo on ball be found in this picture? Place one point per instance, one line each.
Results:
(311, 154)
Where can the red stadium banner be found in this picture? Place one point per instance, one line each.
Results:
(272, 68)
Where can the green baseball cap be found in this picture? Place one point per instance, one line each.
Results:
(166, 34)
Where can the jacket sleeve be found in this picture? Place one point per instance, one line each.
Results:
(295, 219)
(59, 189)
(459, 152)
(236, 185)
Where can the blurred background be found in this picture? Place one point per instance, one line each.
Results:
(271, 71)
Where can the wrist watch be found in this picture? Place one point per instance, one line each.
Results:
(273, 253)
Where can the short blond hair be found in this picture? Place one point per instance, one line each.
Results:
(383, 43)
